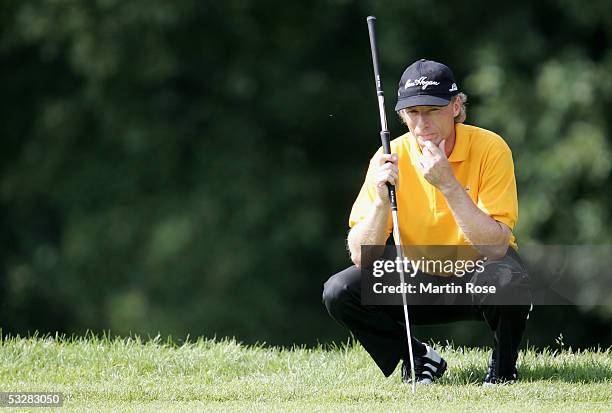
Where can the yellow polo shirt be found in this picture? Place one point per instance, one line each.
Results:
(482, 163)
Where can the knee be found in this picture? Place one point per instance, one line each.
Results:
(511, 285)
(336, 294)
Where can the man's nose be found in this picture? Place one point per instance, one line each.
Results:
(421, 121)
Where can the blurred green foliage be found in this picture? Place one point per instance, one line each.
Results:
(188, 167)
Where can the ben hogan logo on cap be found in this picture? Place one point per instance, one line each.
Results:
(422, 81)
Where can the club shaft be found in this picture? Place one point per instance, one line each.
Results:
(400, 254)
(385, 140)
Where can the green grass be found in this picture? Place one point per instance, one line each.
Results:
(134, 375)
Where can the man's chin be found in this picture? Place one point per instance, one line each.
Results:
(422, 142)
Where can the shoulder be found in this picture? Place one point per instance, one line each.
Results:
(399, 145)
(484, 141)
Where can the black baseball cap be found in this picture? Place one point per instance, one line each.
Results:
(426, 83)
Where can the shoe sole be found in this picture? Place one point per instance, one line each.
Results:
(498, 383)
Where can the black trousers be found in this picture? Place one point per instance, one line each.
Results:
(381, 329)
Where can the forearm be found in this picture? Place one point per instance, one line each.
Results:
(490, 237)
(371, 231)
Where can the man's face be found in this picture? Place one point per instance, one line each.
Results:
(431, 123)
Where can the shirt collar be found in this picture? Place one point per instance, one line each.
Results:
(462, 144)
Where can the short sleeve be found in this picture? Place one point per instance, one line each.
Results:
(365, 200)
(497, 193)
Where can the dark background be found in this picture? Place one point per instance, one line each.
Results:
(188, 167)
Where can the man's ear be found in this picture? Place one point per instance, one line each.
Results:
(456, 106)
(402, 116)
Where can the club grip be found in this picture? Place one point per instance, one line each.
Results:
(392, 199)
(371, 20)
(385, 137)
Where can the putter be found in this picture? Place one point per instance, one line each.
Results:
(384, 137)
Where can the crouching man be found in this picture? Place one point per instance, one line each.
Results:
(455, 186)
